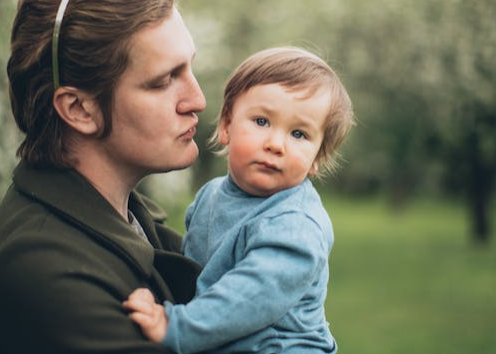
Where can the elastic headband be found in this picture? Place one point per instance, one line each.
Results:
(55, 43)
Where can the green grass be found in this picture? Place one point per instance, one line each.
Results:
(409, 282)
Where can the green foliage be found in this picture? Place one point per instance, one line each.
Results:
(405, 282)
(421, 75)
(8, 132)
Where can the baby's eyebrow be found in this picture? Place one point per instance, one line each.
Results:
(264, 109)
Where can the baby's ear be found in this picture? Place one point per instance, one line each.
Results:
(223, 131)
(313, 169)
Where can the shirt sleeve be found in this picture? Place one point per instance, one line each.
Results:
(281, 258)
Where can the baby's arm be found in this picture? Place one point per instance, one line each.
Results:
(281, 257)
(148, 314)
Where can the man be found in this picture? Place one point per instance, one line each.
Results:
(105, 95)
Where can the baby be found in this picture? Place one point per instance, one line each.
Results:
(261, 232)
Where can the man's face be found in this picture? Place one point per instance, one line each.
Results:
(155, 103)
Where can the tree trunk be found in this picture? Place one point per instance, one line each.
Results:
(482, 177)
(480, 215)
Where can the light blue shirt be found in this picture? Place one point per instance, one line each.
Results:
(264, 282)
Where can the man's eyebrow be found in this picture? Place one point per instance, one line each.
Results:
(155, 80)
(159, 77)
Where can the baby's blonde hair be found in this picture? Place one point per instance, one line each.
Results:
(299, 70)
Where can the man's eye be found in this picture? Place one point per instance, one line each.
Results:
(261, 121)
(298, 134)
(160, 84)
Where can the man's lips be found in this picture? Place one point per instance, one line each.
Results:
(189, 134)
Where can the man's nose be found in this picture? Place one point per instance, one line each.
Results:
(193, 98)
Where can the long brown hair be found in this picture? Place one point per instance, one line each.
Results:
(93, 54)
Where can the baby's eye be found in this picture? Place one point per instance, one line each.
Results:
(261, 121)
(298, 134)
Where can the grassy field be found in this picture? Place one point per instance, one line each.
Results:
(407, 282)
(410, 282)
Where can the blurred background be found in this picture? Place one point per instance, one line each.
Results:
(413, 269)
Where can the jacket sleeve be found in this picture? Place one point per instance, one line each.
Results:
(66, 300)
(281, 257)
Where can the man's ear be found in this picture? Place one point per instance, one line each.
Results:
(78, 110)
(224, 131)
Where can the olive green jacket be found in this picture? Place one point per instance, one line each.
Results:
(68, 260)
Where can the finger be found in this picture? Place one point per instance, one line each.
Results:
(139, 305)
(147, 295)
(142, 293)
(146, 322)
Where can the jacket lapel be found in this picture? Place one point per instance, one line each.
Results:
(72, 197)
(179, 272)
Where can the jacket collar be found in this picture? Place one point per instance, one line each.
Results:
(72, 197)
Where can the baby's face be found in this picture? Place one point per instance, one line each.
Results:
(274, 136)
